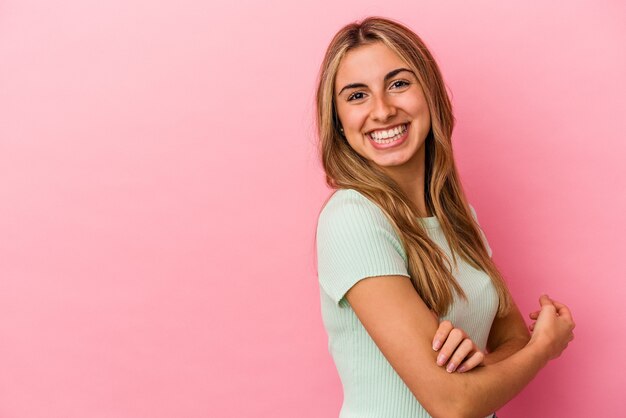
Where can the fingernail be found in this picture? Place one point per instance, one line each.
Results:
(461, 369)
(436, 345)
(450, 367)
(441, 359)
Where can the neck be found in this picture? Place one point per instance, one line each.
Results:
(411, 179)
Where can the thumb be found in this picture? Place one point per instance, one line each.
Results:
(546, 304)
(544, 300)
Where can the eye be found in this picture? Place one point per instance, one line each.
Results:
(400, 83)
(353, 96)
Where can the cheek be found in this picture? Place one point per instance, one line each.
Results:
(352, 117)
(418, 107)
(422, 113)
(426, 114)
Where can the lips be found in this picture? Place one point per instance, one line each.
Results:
(388, 135)
(392, 142)
(387, 132)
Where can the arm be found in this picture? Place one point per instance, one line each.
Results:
(508, 335)
(402, 326)
(457, 352)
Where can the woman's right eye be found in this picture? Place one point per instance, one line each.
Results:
(353, 96)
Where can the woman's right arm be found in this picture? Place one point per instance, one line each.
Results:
(402, 327)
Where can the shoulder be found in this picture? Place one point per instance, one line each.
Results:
(349, 215)
(355, 240)
(342, 197)
(350, 208)
(350, 223)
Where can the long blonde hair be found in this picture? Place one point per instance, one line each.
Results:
(429, 267)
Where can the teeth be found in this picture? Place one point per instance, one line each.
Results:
(386, 137)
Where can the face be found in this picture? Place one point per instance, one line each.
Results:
(381, 107)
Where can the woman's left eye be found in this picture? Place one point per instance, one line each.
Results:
(400, 83)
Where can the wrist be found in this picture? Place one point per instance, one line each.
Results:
(538, 351)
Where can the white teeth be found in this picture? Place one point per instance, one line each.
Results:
(386, 137)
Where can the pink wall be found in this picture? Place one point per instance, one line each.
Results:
(159, 189)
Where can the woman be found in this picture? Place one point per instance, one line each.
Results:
(419, 319)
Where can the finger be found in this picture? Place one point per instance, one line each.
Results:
(454, 339)
(475, 359)
(531, 327)
(558, 304)
(534, 315)
(442, 334)
(462, 351)
(544, 300)
(546, 306)
(562, 310)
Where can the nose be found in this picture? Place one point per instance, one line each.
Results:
(383, 109)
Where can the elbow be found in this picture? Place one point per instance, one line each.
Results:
(450, 414)
(449, 409)
(459, 414)
(469, 411)
(453, 396)
(457, 408)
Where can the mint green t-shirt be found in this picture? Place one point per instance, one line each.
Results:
(355, 240)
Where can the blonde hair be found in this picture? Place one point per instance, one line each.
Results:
(429, 267)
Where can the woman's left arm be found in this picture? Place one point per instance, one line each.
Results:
(508, 335)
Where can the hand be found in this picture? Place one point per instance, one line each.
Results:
(553, 327)
(462, 353)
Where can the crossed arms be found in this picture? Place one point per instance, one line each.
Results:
(402, 327)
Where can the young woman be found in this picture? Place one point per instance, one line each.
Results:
(419, 319)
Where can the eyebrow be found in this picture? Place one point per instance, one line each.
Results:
(389, 75)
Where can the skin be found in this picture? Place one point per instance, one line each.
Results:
(393, 314)
(457, 352)
(383, 103)
(380, 105)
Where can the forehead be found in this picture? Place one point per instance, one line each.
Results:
(367, 64)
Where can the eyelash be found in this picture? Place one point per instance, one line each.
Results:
(351, 97)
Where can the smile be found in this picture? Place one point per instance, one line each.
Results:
(388, 136)
(385, 138)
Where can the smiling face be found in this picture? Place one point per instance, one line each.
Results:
(381, 107)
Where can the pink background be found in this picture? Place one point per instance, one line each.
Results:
(159, 189)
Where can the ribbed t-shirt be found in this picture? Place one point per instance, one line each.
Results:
(355, 240)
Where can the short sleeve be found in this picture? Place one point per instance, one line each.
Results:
(481, 231)
(355, 240)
